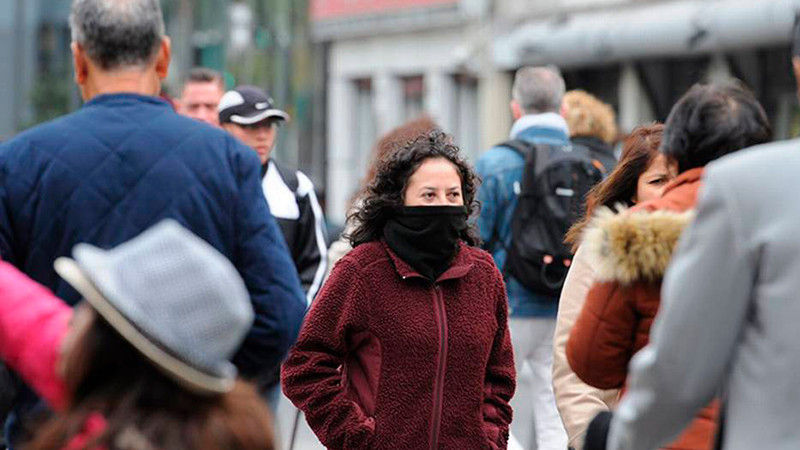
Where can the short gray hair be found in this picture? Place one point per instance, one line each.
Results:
(538, 89)
(118, 33)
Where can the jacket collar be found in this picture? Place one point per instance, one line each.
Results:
(629, 246)
(125, 97)
(532, 123)
(637, 245)
(461, 265)
(688, 177)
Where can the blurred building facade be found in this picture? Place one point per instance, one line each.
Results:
(37, 82)
(33, 37)
(391, 60)
(349, 70)
(266, 43)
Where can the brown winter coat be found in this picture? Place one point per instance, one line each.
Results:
(633, 249)
(387, 359)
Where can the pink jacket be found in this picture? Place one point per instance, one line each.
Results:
(33, 323)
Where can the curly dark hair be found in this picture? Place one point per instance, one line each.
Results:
(383, 196)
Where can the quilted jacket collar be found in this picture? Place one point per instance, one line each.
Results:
(461, 265)
(127, 98)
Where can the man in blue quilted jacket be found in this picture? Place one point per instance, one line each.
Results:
(125, 161)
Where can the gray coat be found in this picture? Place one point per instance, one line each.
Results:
(730, 313)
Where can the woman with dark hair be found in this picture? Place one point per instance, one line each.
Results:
(142, 362)
(641, 175)
(390, 142)
(634, 248)
(407, 345)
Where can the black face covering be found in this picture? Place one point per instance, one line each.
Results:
(426, 237)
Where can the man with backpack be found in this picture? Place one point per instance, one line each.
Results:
(532, 191)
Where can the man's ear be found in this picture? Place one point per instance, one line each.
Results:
(80, 63)
(796, 66)
(163, 58)
(516, 110)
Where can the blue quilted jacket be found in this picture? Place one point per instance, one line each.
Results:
(122, 163)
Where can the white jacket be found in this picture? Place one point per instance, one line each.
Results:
(577, 402)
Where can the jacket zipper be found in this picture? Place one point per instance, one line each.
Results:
(438, 387)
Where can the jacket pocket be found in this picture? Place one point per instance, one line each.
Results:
(361, 370)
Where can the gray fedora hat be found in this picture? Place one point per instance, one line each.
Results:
(172, 296)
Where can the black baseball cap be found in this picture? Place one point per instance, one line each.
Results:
(246, 105)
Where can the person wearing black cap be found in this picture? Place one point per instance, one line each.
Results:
(249, 114)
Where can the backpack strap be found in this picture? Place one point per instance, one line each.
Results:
(527, 151)
(587, 153)
(523, 148)
(539, 153)
(289, 177)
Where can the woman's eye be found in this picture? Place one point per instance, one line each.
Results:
(455, 194)
(659, 181)
(429, 195)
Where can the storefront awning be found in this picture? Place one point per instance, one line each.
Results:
(655, 30)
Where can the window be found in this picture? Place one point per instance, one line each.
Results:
(602, 82)
(768, 73)
(665, 80)
(413, 98)
(364, 125)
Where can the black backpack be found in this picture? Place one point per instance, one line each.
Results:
(551, 198)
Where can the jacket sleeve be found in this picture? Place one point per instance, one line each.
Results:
(33, 323)
(311, 254)
(6, 229)
(491, 209)
(577, 402)
(312, 375)
(706, 298)
(263, 260)
(500, 382)
(602, 341)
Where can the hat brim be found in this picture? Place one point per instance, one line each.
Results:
(182, 373)
(261, 115)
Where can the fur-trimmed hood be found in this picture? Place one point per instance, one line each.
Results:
(634, 246)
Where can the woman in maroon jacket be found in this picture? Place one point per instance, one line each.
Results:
(407, 344)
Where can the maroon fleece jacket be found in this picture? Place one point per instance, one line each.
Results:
(386, 359)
